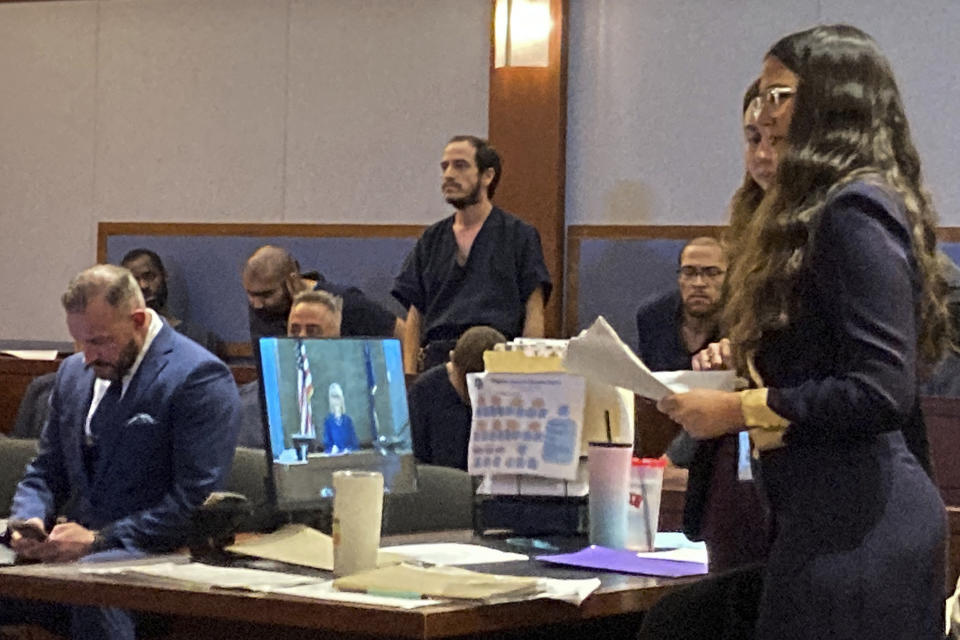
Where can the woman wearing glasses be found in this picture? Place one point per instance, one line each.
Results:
(719, 507)
(835, 302)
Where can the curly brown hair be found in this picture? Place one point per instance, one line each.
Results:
(848, 124)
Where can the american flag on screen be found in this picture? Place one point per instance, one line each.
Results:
(304, 392)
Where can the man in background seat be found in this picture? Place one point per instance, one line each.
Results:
(440, 413)
(271, 278)
(151, 275)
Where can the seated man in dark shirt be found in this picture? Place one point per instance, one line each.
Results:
(440, 411)
(480, 266)
(151, 275)
(271, 278)
(672, 327)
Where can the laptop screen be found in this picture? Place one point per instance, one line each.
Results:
(331, 404)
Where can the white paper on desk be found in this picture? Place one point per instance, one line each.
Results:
(211, 576)
(573, 591)
(453, 553)
(676, 540)
(512, 485)
(683, 554)
(599, 354)
(31, 354)
(325, 591)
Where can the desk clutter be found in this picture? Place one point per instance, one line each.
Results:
(407, 576)
(414, 575)
(552, 434)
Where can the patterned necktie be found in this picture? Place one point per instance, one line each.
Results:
(103, 419)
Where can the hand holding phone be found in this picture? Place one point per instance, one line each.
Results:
(29, 529)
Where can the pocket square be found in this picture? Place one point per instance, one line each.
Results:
(140, 419)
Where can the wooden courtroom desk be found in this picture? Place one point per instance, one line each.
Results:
(15, 376)
(216, 613)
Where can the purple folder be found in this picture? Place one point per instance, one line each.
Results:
(625, 561)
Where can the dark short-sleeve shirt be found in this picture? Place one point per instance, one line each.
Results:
(504, 268)
(659, 342)
(361, 315)
(439, 420)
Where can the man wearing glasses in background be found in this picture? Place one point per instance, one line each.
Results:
(672, 327)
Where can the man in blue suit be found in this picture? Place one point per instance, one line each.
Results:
(142, 428)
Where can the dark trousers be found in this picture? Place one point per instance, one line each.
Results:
(79, 623)
(720, 607)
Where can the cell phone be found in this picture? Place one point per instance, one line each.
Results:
(27, 529)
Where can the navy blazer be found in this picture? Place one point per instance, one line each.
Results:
(172, 447)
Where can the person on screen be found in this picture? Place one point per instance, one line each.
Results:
(339, 436)
(271, 277)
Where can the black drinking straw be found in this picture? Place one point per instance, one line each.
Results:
(606, 415)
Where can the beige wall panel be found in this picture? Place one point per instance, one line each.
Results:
(920, 40)
(47, 61)
(376, 89)
(191, 110)
(654, 133)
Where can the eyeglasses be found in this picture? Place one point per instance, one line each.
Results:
(773, 97)
(688, 272)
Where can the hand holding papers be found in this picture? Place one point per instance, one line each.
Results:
(600, 355)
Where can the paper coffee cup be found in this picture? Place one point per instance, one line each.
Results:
(357, 513)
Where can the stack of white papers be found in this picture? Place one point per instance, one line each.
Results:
(452, 553)
(600, 355)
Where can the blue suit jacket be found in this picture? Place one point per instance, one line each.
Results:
(172, 447)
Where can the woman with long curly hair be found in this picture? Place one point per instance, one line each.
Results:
(836, 303)
(720, 508)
